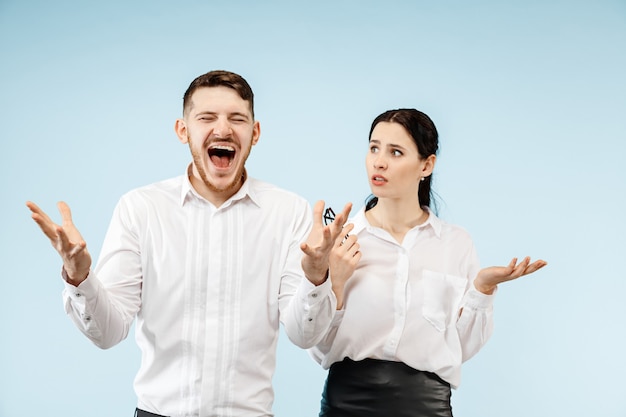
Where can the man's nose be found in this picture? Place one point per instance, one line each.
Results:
(222, 128)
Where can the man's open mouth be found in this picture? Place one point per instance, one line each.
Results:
(222, 155)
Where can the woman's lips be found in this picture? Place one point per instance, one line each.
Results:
(378, 180)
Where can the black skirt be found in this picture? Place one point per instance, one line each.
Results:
(377, 388)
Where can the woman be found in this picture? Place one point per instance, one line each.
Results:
(412, 301)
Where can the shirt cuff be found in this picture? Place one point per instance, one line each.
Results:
(312, 294)
(87, 288)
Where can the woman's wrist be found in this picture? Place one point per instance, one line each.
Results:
(484, 288)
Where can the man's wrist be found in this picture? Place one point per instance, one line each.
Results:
(318, 281)
(73, 281)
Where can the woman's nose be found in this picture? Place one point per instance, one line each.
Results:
(380, 162)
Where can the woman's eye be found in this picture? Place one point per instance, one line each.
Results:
(373, 149)
(396, 152)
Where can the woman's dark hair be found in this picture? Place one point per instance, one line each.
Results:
(424, 133)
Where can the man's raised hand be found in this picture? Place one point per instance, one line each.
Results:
(67, 241)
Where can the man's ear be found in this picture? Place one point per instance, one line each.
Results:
(180, 127)
(256, 132)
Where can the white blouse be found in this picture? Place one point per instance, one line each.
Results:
(413, 302)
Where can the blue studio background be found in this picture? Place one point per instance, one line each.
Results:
(530, 102)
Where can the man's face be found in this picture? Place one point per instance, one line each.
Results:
(220, 131)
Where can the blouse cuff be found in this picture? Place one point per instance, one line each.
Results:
(337, 318)
(478, 300)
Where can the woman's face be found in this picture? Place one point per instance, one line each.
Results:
(394, 166)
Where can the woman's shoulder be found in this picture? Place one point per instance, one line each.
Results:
(450, 230)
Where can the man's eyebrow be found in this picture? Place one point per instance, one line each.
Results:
(236, 113)
(213, 113)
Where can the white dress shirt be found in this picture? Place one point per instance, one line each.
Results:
(413, 302)
(208, 287)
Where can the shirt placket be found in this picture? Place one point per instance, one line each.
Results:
(399, 303)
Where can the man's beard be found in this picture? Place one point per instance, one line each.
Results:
(234, 185)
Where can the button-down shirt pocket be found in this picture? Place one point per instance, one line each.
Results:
(442, 298)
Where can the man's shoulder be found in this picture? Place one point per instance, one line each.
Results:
(170, 187)
(270, 192)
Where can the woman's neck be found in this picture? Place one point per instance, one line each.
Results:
(396, 217)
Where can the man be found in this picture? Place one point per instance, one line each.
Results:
(209, 263)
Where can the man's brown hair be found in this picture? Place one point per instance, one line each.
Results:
(220, 78)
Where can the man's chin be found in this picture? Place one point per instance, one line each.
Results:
(224, 183)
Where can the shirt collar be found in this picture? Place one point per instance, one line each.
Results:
(360, 222)
(248, 189)
(434, 222)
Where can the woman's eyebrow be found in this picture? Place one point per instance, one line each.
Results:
(389, 145)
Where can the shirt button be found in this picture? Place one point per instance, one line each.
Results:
(77, 294)
(314, 295)
(87, 318)
(310, 319)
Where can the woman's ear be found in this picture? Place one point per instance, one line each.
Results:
(428, 166)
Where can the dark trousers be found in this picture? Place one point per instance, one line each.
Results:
(376, 388)
(141, 413)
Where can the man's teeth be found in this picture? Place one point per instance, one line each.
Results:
(223, 148)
